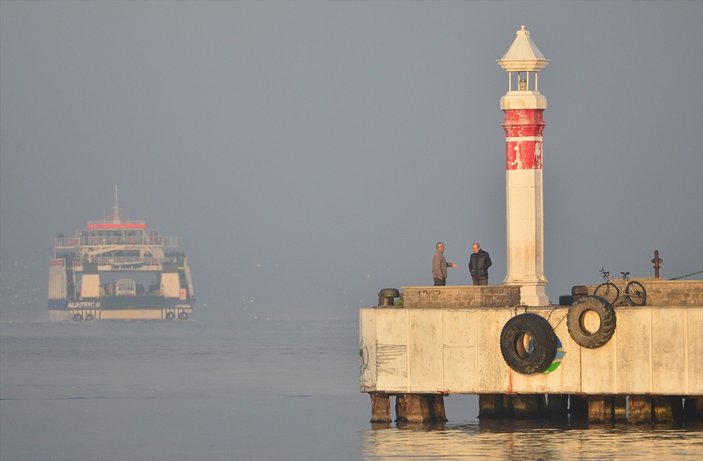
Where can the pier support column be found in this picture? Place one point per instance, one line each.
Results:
(558, 404)
(578, 407)
(677, 407)
(436, 404)
(620, 408)
(693, 408)
(380, 407)
(493, 405)
(528, 406)
(640, 409)
(412, 408)
(600, 408)
(662, 409)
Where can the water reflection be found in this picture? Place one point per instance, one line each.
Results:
(521, 440)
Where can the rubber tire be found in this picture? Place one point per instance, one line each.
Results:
(89, 317)
(606, 290)
(639, 288)
(608, 321)
(566, 300)
(77, 317)
(170, 316)
(182, 315)
(579, 290)
(544, 344)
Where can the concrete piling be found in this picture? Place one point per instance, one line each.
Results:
(436, 404)
(600, 408)
(419, 408)
(693, 408)
(640, 409)
(558, 404)
(596, 409)
(492, 406)
(620, 408)
(527, 406)
(662, 411)
(530, 406)
(380, 407)
(412, 408)
(578, 407)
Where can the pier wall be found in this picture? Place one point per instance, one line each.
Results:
(461, 296)
(667, 292)
(655, 350)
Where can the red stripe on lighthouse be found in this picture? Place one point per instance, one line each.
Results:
(523, 154)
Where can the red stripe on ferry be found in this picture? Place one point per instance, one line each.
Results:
(94, 226)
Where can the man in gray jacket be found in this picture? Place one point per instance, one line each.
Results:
(439, 266)
(479, 262)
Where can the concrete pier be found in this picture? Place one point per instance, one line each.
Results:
(653, 361)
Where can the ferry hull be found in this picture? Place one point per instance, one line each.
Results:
(137, 308)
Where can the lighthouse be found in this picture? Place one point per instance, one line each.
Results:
(523, 106)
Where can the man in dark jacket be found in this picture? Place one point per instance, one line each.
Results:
(479, 262)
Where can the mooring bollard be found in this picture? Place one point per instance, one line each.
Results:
(386, 297)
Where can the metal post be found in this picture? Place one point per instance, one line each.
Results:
(656, 261)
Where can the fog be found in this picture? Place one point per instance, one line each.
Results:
(308, 154)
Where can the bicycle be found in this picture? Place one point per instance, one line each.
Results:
(635, 294)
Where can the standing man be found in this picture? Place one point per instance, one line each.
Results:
(479, 262)
(439, 266)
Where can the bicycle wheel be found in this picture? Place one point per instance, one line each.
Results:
(636, 293)
(608, 291)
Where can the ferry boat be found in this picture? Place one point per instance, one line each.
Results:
(119, 270)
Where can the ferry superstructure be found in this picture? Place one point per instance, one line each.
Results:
(119, 270)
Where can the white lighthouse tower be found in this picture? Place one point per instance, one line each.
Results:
(523, 106)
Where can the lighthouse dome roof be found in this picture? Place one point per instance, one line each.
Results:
(523, 55)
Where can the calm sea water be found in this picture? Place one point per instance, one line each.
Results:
(249, 390)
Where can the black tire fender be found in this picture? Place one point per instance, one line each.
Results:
(528, 343)
(170, 316)
(584, 328)
(182, 315)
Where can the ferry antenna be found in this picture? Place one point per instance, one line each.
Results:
(116, 208)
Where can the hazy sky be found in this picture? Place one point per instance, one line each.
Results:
(308, 154)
